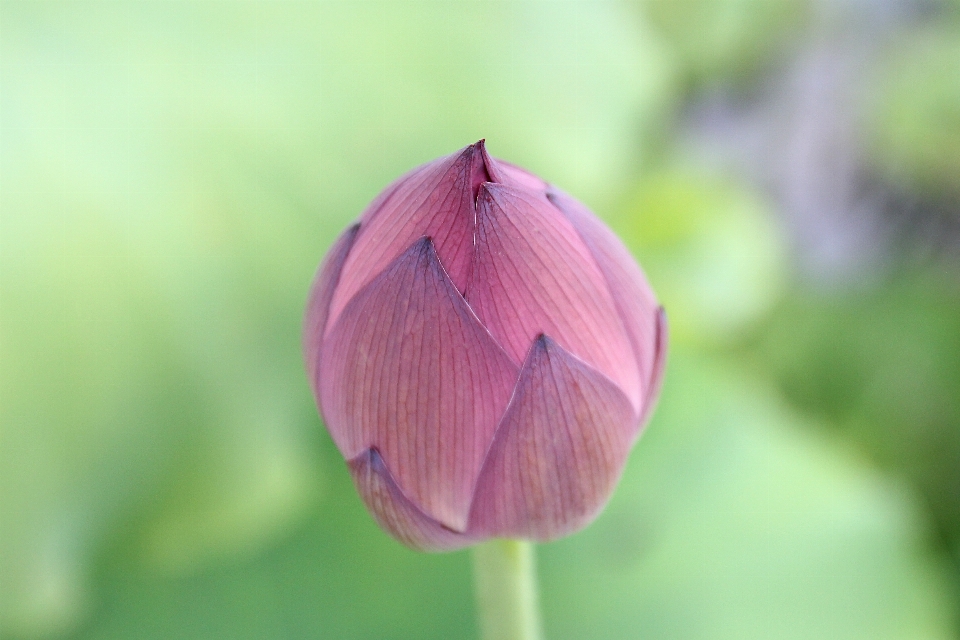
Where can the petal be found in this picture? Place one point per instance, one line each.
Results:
(435, 200)
(659, 364)
(533, 274)
(318, 304)
(513, 176)
(394, 512)
(558, 453)
(636, 303)
(409, 369)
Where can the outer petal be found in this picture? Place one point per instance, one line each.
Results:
(637, 305)
(558, 453)
(659, 364)
(435, 200)
(533, 274)
(318, 304)
(394, 512)
(408, 369)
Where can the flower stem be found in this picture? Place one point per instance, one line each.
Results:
(506, 584)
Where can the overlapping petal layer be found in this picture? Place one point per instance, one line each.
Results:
(533, 274)
(514, 176)
(321, 293)
(426, 339)
(659, 364)
(408, 369)
(395, 512)
(636, 303)
(436, 201)
(558, 453)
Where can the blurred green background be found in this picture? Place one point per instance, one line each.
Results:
(787, 171)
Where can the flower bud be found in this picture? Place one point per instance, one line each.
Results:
(484, 352)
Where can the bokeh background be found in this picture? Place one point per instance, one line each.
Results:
(787, 171)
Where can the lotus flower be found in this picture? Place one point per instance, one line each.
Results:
(484, 352)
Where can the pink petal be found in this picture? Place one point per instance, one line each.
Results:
(321, 292)
(533, 274)
(408, 369)
(636, 303)
(394, 512)
(558, 453)
(659, 364)
(513, 176)
(435, 200)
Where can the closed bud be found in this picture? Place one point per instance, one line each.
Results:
(484, 352)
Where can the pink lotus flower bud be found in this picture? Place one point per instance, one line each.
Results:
(484, 352)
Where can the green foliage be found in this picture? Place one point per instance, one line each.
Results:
(736, 519)
(711, 249)
(726, 38)
(883, 365)
(915, 131)
(337, 575)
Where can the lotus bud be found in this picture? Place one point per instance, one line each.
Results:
(484, 352)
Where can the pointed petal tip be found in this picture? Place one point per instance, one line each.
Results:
(483, 192)
(402, 343)
(558, 452)
(534, 273)
(504, 186)
(474, 161)
(502, 172)
(493, 167)
(480, 149)
(395, 512)
(544, 342)
(425, 243)
(493, 191)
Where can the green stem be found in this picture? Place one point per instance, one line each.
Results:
(506, 583)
